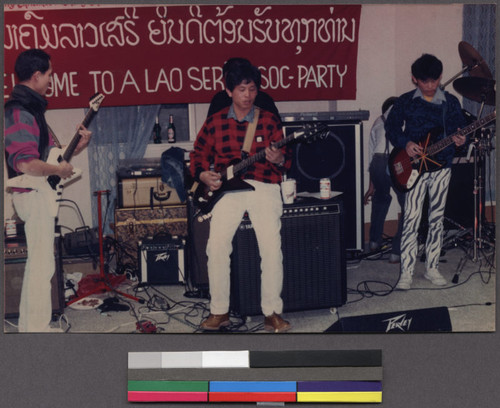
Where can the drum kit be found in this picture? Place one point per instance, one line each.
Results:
(478, 86)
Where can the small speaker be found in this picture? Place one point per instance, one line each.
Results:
(83, 241)
(314, 264)
(435, 319)
(161, 262)
(13, 281)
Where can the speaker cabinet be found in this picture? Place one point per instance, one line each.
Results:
(314, 262)
(161, 262)
(460, 201)
(436, 319)
(13, 281)
(339, 157)
(459, 209)
(199, 230)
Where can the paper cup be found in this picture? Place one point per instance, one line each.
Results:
(288, 191)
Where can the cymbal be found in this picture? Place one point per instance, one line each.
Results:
(472, 59)
(476, 88)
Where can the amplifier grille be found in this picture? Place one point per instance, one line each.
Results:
(161, 263)
(313, 261)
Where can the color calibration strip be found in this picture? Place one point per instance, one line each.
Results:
(245, 376)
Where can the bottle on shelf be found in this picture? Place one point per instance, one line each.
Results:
(171, 136)
(157, 132)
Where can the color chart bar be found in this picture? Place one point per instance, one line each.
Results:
(339, 376)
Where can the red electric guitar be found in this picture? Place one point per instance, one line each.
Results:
(406, 171)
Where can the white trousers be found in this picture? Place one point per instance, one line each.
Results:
(436, 184)
(264, 207)
(35, 307)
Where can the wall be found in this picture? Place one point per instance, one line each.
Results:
(391, 37)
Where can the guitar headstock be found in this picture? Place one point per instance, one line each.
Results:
(95, 101)
(314, 130)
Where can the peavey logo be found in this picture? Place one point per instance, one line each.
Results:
(398, 322)
(164, 256)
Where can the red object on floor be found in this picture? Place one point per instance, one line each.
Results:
(104, 282)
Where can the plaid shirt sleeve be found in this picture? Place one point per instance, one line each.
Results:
(220, 141)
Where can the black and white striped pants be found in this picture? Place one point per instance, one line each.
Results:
(436, 185)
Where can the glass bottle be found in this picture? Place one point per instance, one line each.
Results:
(157, 132)
(171, 137)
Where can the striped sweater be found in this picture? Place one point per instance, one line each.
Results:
(22, 130)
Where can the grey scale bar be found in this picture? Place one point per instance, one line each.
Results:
(316, 358)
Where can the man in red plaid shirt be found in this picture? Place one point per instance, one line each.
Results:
(217, 145)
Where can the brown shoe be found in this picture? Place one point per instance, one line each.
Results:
(215, 322)
(276, 323)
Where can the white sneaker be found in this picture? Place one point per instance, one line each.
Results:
(405, 280)
(435, 277)
(54, 330)
(394, 259)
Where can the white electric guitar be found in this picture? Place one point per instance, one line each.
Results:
(54, 184)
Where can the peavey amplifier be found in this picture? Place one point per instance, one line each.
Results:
(134, 225)
(145, 192)
(162, 262)
(314, 264)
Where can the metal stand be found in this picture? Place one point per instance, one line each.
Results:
(103, 282)
(481, 146)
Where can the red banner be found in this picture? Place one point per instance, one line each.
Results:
(173, 54)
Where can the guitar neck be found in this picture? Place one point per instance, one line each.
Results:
(76, 138)
(258, 156)
(447, 141)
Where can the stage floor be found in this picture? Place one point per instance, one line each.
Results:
(178, 308)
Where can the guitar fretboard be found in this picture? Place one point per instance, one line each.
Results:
(76, 138)
(258, 156)
(447, 141)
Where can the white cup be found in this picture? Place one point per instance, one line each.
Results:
(288, 191)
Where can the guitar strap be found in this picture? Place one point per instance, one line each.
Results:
(445, 104)
(54, 137)
(247, 144)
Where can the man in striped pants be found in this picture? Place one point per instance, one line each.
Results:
(415, 115)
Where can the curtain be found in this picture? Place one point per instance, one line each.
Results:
(479, 32)
(119, 133)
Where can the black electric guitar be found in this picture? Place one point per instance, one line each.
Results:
(406, 171)
(53, 184)
(205, 199)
